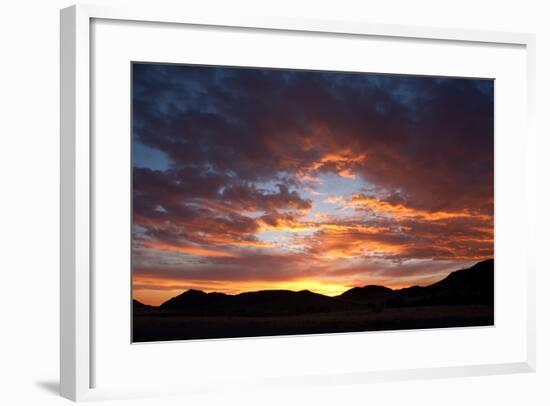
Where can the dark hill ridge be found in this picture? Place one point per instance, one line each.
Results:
(140, 306)
(372, 294)
(193, 298)
(285, 302)
(264, 302)
(473, 285)
(479, 276)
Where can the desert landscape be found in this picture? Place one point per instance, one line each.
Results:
(464, 298)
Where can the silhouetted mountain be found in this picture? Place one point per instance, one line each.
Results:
(466, 286)
(478, 278)
(474, 285)
(192, 299)
(265, 302)
(371, 295)
(273, 302)
(140, 306)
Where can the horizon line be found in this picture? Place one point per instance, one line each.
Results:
(307, 290)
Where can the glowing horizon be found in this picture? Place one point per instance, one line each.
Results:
(155, 297)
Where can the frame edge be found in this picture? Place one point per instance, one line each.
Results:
(531, 192)
(74, 204)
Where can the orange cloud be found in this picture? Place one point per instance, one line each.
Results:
(284, 222)
(342, 162)
(309, 178)
(399, 210)
(188, 249)
(231, 241)
(340, 241)
(357, 228)
(334, 199)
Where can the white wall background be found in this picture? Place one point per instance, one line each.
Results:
(29, 203)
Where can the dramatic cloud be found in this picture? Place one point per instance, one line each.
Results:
(259, 178)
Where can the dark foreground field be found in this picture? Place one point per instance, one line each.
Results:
(173, 327)
(464, 298)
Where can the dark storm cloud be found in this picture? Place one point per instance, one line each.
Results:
(258, 124)
(174, 186)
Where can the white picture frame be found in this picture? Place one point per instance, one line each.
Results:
(77, 355)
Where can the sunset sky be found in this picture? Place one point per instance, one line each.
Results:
(251, 179)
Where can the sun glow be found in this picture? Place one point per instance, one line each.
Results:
(155, 291)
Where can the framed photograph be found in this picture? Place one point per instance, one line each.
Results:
(279, 202)
(300, 202)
